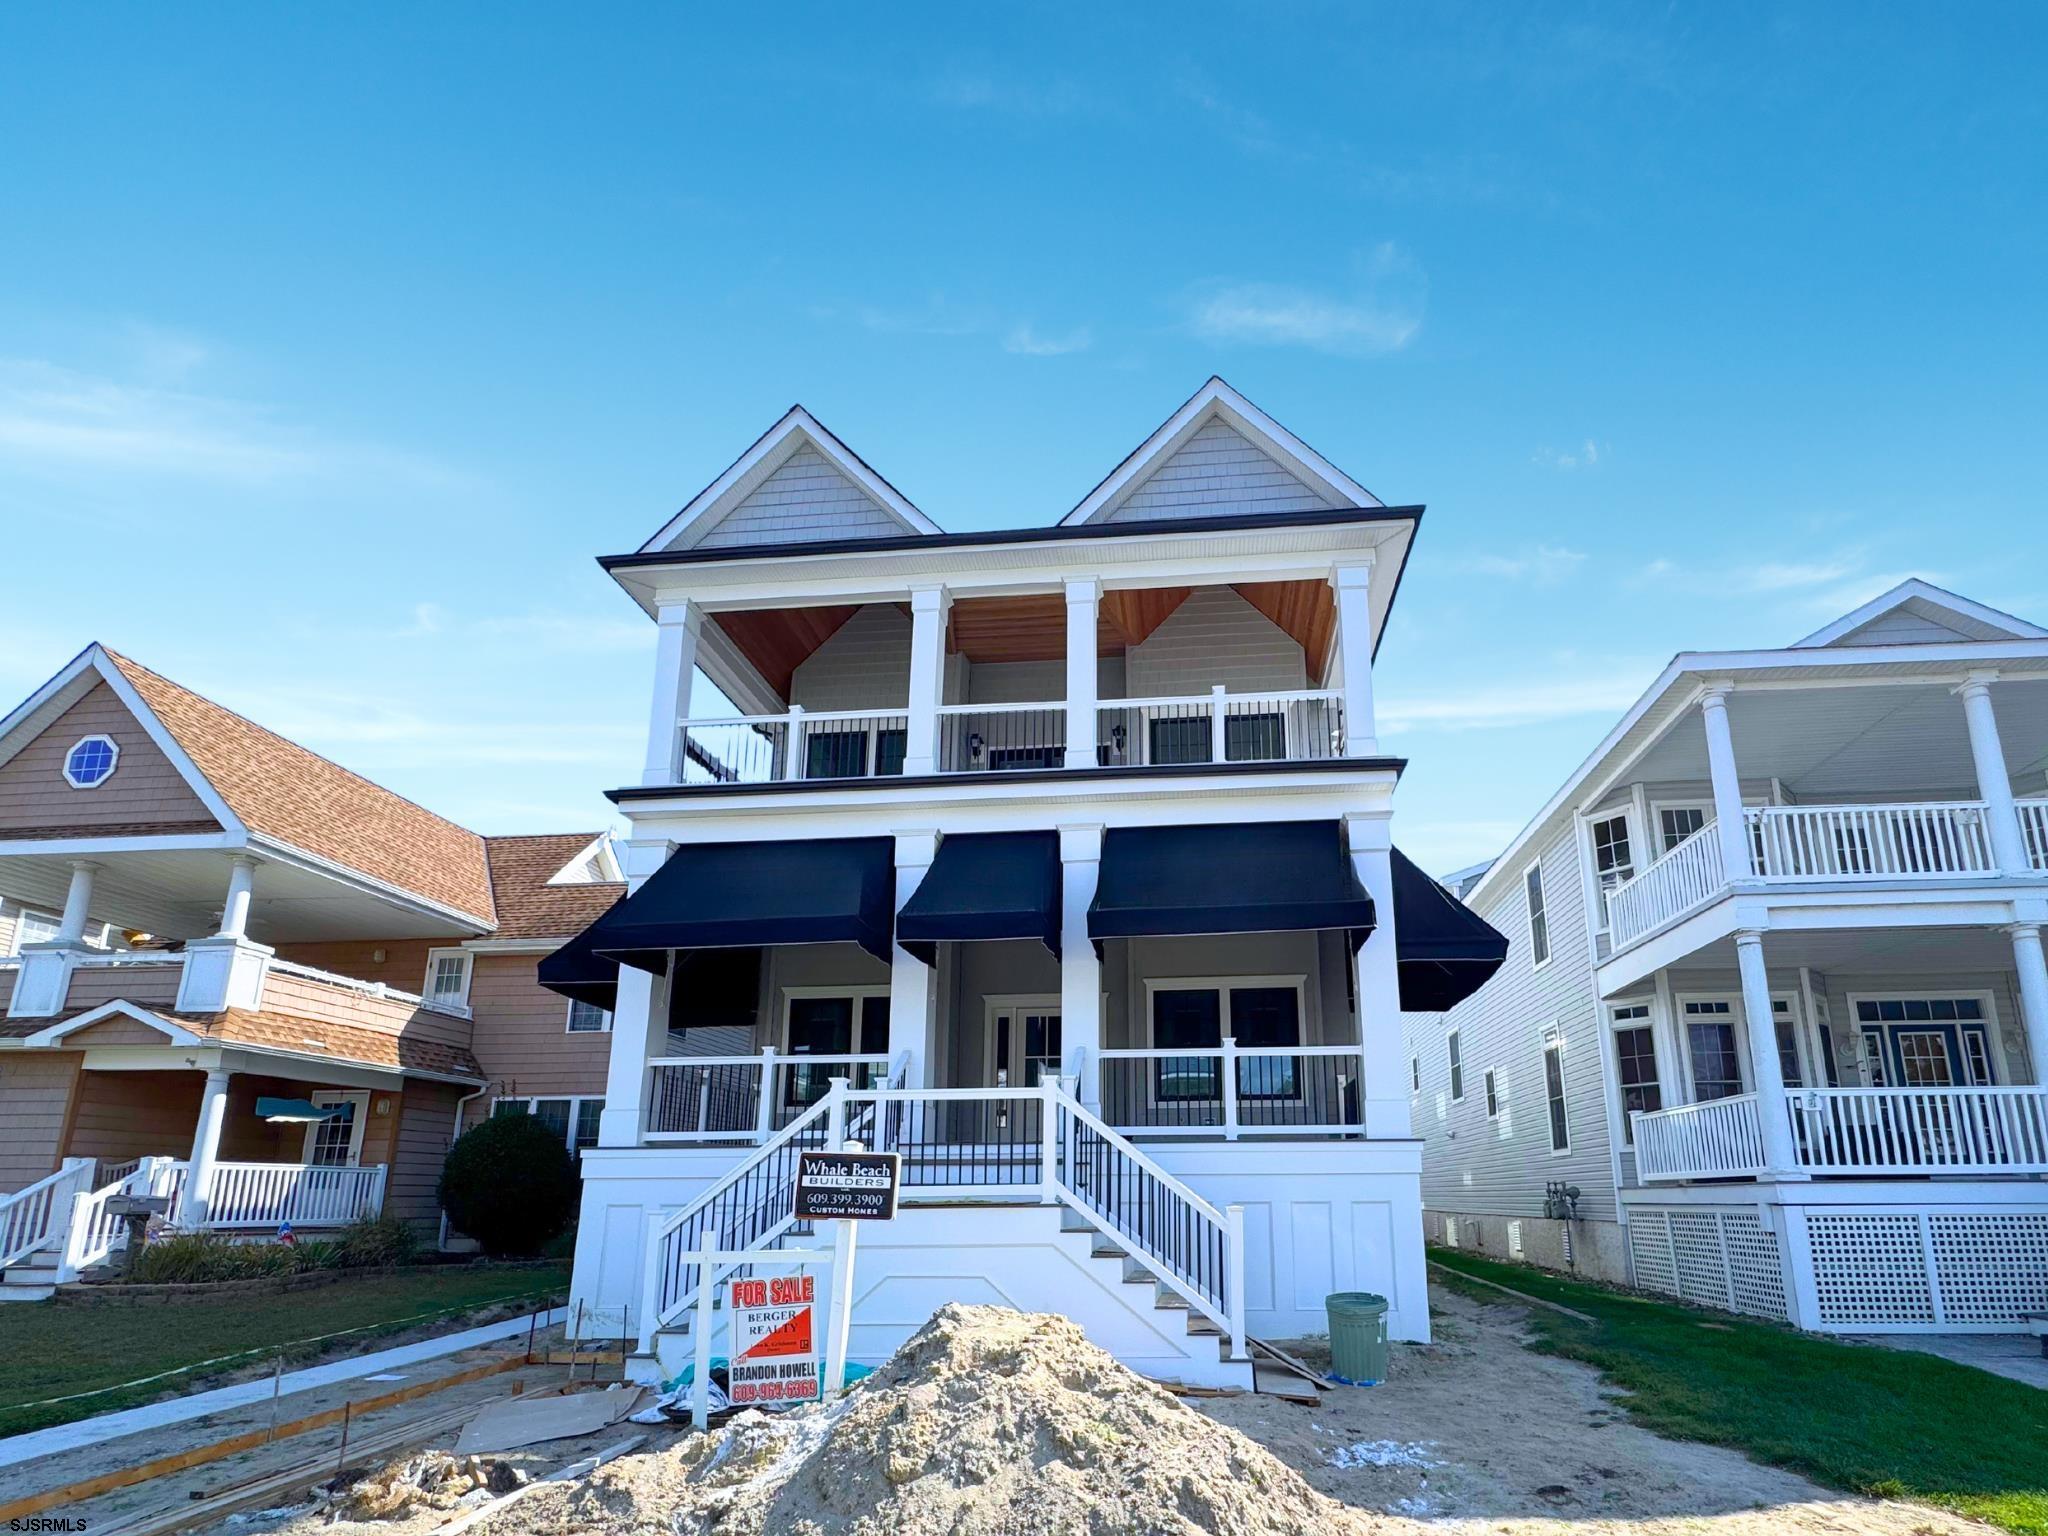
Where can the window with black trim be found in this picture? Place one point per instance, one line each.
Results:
(1539, 925)
(1454, 1056)
(1635, 1064)
(1554, 1093)
(1492, 1096)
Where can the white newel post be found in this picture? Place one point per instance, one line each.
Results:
(675, 659)
(1353, 586)
(2028, 960)
(1385, 1090)
(1994, 785)
(213, 1114)
(913, 985)
(227, 970)
(1080, 969)
(1734, 835)
(45, 976)
(1773, 1112)
(928, 607)
(1084, 599)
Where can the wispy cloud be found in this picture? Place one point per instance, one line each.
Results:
(561, 634)
(1585, 456)
(1781, 576)
(1026, 342)
(1543, 564)
(1529, 702)
(981, 90)
(1380, 311)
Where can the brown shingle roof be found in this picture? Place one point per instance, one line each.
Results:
(281, 790)
(528, 907)
(348, 1043)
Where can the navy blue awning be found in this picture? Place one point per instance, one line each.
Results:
(1262, 877)
(575, 971)
(986, 885)
(1445, 950)
(729, 895)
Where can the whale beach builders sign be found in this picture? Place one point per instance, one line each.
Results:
(847, 1186)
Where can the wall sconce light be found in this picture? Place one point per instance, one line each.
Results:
(974, 746)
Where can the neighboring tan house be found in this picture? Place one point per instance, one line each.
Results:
(1066, 851)
(240, 976)
(1773, 1025)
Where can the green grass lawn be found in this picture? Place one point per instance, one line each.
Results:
(1858, 1417)
(48, 1350)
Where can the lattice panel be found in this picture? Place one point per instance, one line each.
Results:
(1992, 1268)
(1870, 1271)
(1696, 1243)
(1755, 1267)
(1649, 1244)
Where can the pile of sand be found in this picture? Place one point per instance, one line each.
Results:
(986, 1421)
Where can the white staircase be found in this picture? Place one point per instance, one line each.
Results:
(1041, 1206)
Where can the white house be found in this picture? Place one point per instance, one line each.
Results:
(1771, 1030)
(1058, 859)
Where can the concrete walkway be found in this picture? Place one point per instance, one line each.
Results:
(2013, 1355)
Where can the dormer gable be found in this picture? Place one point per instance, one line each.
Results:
(1219, 455)
(1917, 612)
(796, 484)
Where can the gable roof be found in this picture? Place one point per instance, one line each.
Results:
(796, 481)
(1917, 612)
(278, 790)
(533, 891)
(1217, 428)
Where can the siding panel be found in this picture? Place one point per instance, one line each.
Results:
(35, 1094)
(1216, 472)
(806, 498)
(145, 790)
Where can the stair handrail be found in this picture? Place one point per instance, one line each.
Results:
(38, 1214)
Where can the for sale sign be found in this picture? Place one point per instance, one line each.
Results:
(774, 1353)
(847, 1186)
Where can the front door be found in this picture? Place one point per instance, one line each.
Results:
(1024, 1041)
(337, 1142)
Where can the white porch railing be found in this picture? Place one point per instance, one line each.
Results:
(1311, 1090)
(2034, 831)
(982, 738)
(266, 1195)
(34, 1217)
(742, 1098)
(1719, 1139)
(797, 744)
(378, 990)
(1856, 842)
(1689, 876)
(1303, 725)
(1921, 1130)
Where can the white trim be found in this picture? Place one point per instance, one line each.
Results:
(1014, 1002)
(1492, 1087)
(113, 749)
(598, 848)
(21, 914)
(1553, 1039)
(1536, 903)
(1657, 810)
(1454, 1064)
(575, 1101)
(1223, 986)
(174, 1034)
(857, 994)
(796, 427)
(1938, 597)
(1738, 1020)
(1994, 1027)
(429, 995)
(1596, 893)
(358, 1123)
(569, 1019)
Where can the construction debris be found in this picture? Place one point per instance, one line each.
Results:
(508, 1425)
(986, 1421)
(429, 1480)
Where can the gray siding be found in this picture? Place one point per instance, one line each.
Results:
(1214, 637)
(865, 664)
(806, 498)
(1902, 627)
(1216, 471)
(1499, 1166)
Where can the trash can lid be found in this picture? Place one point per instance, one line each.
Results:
(1365, 1301)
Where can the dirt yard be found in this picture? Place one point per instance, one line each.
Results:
(1476, 1433)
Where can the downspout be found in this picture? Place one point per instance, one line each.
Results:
(461, 1104)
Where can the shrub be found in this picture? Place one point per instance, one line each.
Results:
(373, 1241)
(192, 1258)
(509, 1184)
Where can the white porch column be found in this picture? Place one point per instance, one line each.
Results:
(2028, 960)
(1994, 785)
(1780, 1151)
(675, 659)
(1353, 586)
(227, 970)
(234, 911)
(913, 985)
(928, 607)
(213, 1114)
(1385, 1090)
(639, 1034)
(1080, 969)
(77, 903)
(1084, 598)
(1727, 784)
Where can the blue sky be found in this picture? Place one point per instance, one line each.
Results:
(335, 343)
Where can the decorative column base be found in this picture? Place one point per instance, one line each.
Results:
(223, 973)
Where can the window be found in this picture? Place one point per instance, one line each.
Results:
(1675, 823)
(1415, 1074)
(587, 1018)
(33, 928)
(574, 1118)
(1182, 741)
(1710, 1041)
(448, 977)
(1788, 1043)
(1492, 1097)
(1260, 1013)
(1613, 862)
(1635, 1062)
(90, 762)
(1455, 1055)
(1553, 1091)
(1926, 1042)
(337, 1142)
(1260, 738)
(1539, 928)
(831, 1024)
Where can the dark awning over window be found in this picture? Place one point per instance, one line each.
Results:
(725, 895)
(1262, 877)
(1445, 949)
(575, 972)
(986, 885)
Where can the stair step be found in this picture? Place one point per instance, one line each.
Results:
(1170, 1301)
(1108, 1251)
(1201, 1326)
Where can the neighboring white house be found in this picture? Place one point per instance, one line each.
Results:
(1774, 1015)
(1057, 859)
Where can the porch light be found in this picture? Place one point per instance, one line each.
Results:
(974, 746)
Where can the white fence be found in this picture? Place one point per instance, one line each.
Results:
(34, 1217)
(2034, 830)
(1690, 875)
(1719, 1139)
(1848, 842)
(267, 1195)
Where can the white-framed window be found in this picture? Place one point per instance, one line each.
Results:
(587, 1018)
(1195, 1013)
(574, 1117)
(1613, 856)
(1554, 1092)
(32, 928)
(1678, 820)
(91, 761)
(1454, 1057)
(1415, 1074)
(1924, 1040)
(830, 1021)
(448, 977)
(1492, 1097)
(1539, 925)
(337, 1142)
(1635, 1064)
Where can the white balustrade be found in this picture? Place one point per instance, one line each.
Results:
(1921, 1130)
(37, 1215)
(1689, 876)
(2034, 831)
(1719, 1139)
(743, 1098)
(983, 738)
(1312, 1090)
(266, 1195)
(1300, 725)
(798, 744)
(1861, 842)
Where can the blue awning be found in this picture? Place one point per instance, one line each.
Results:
(1445, 950)
(297, 1111)
(731, 895)
(1256, 877)
(985, 885)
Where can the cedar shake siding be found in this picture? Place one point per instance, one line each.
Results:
(123, 1115)
(404, 965)
(425, 1127)
(145, 794)
(523, 1042)
(35, 1097)
(152, 986)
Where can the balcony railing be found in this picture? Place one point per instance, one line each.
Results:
(983, 738)
(799, 744)
(1862, 1131)
(1309, 1090)
(722, 1098)
(2034, 831)
(1306, 725)
(1854, 842)
(1690, 875)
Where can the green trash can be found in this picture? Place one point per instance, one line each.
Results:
(1358, 1337)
